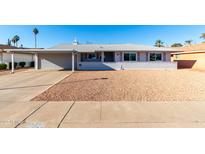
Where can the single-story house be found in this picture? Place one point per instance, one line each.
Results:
(6, 57)
(100, 57)
(191, 56)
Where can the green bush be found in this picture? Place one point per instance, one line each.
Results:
(3, 66)
(22, 64)
(32, 64)
(15, 64)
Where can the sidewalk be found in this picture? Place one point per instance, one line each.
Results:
(103, 114)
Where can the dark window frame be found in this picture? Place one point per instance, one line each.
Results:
(130, 56)
(90, 57)
(153, 56)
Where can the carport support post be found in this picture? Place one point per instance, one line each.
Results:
(73, 63)
(12, 62)
(36, 61)
(102, 56)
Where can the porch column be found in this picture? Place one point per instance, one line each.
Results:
(138, 56)
(122, 56)
(102, 56)
(36, 61)
(12, 62)
(164, 56)
(147, 56)
(73, 63)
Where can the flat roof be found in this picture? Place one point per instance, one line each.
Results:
(40, 50)
(66, 48)
(111, 47)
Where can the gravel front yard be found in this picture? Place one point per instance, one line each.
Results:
(176, 85)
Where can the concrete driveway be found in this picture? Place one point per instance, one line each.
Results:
(23, 86)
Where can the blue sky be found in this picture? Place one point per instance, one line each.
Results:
(52, 35)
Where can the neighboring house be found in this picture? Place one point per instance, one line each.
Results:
(101, 57)
(191, 56)
(6, 57)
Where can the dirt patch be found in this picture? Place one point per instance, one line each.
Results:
(172, 85)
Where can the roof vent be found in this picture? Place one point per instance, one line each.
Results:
(75, 42)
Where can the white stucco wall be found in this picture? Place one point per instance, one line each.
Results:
(120, 64)
(126, 65)
(118, 56)
(64, 61)
(55, 61)
(168, 56)
(142, 56)
(6, 58)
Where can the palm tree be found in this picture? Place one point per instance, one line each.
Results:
(202, 36)
(35, 31)
(189, 42)
(15, 40)
(9, 42)
(159, 43)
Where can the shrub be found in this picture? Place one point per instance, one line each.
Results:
(32, 64)
(15, 64)
(3, 66)
(22, 64)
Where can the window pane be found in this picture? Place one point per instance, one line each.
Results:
(158, 56)
(129, 57)
(89, 57)
(126, 57)
(152, 57)
(109, 57)
(132, 57)
(92, 56)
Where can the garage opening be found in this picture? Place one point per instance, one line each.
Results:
(57, 61)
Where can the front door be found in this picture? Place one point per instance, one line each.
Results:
(109, 57)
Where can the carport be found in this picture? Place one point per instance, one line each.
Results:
(47, 57)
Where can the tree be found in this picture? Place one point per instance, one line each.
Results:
(9, 42)
(35, 31)
(176, 45)
(202, 36)
(15, 40)
(159, 43)
(188, 42)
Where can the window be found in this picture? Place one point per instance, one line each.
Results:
(90, 57)
(109, 56)
(130, 56)
(155, 57)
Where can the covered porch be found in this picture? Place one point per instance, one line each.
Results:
(120, 60)
(46, 58)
